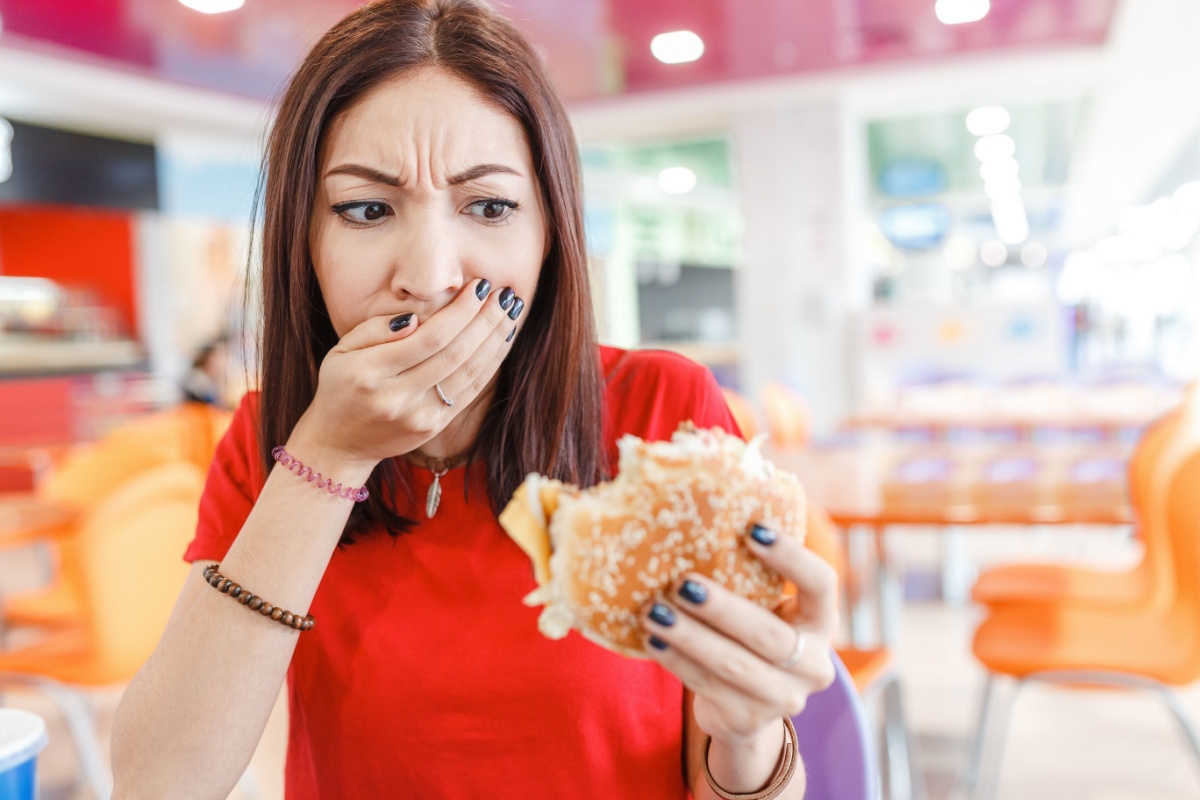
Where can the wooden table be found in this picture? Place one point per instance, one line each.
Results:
(847, 482)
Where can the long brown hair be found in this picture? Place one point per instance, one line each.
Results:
(545, 413)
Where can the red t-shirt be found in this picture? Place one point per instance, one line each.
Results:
(427, 676)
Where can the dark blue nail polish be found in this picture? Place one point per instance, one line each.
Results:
(662, 615)
(512, 334)
(517, 308)
(506, 298)
(483, 289)
(657, 643)
(693, 592)
(401, 322)
(764, 536)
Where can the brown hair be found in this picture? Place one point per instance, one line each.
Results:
(545, 414)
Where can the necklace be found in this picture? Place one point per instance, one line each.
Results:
(439, 467)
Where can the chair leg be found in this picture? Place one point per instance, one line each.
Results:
(906, 777)
(981, 778)
(1186, 723)
(82, 726)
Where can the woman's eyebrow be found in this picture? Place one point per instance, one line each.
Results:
(375, 176)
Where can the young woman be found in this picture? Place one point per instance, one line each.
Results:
(428, 334)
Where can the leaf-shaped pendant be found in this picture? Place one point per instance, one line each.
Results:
(434, 498)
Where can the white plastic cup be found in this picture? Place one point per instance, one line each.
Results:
(22, 737)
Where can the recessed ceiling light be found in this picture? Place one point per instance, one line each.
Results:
(1006, 186)
(988, 120)
(213, 6)
(677, 180)
(1000, 168)
(995, 148)
(677, 47)
(956, 12)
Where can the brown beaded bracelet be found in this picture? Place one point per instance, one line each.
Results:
(255, 603)
(784, 770)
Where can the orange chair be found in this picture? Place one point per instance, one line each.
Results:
(1150, 647)
(1160, 449)
(789, 418)
(130, 548)
(187, 433)
(875, 676)
(743, 412)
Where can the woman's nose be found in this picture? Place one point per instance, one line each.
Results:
(427, 264)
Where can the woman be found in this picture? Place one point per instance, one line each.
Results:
(428, 333)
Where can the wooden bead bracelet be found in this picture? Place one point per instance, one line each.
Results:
(255, 603)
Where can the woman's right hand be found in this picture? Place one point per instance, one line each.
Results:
(375, 391)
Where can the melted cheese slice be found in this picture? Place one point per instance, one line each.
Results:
(526, 519)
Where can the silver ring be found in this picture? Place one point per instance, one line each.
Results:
(797, 654)
(446, 401)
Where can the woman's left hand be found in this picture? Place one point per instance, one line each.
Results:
(746, 665)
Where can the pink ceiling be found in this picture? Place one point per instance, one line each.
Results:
(594, 48)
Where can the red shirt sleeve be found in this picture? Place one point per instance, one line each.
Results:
(235, 479)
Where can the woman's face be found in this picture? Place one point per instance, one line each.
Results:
(423, 186)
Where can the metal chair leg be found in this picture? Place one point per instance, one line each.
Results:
(82, 725)
(903, 759)
(981, 779)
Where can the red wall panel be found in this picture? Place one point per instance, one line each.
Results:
(75, 247)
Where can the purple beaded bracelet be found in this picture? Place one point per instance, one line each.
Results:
(294, 464)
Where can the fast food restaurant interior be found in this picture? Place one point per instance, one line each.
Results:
(941, 256)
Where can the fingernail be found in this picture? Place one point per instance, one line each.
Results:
(401, 322)
(662, 615)
(482, 290)
(764, 536)
(657, 643)
(517, 308)
(511, 334)
(693, 592)
(506, 298)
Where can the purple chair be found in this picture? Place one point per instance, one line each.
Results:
(835, 743)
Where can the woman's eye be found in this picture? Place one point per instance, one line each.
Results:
(362, 212)
(494, 209)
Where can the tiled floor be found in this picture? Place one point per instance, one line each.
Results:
(1063, 744)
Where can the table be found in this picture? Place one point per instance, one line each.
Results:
(847, 482)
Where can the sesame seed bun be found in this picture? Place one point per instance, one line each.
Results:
(601, 554)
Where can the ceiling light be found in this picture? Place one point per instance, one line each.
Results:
(677, 47)
(999, 169)
(1003, 186)
(988, 120)
(1033, 255)
(213, 6)
(1008, 214)
(677, 180)
(995, 148)
(993, 253)
(956, 12)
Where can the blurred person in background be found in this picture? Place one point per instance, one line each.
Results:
(205, 381)
(427, 323)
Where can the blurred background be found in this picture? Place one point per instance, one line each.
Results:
(941, 253)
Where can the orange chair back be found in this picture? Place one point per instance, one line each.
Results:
(789, 419)
(743, 413)
(1168, 446)
(131, 550)
(188, 432)
(1183, 514)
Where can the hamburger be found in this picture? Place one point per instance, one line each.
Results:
(600, 555)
